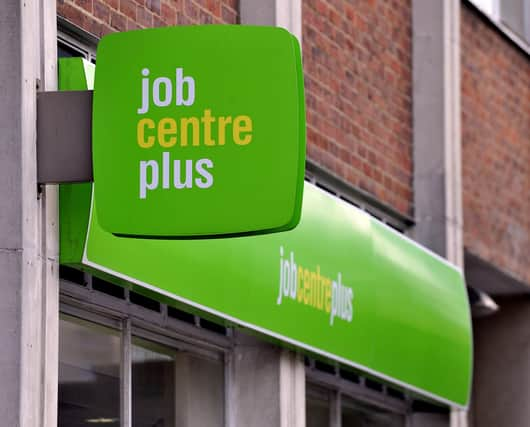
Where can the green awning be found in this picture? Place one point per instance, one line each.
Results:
(341, 285)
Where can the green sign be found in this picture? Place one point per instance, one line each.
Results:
(340, 285)
(198, 131)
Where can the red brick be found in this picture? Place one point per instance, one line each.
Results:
(361, 86)
(113, 4)
(154, 6)
(85, 4)
(101, 11)
(118, 21)
(73, 14)
(169, 14)
(128, 8)
(228, 15)
(191, 10)
(145, 17)
(495, 146)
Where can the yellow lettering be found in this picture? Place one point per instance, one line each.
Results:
(320, 287)
(184, 124)
(307, 285)
(242, 124)
(300, 285)
(167, 127)
(207, 120)
(140, 133)
(314, 284)
(223, 121)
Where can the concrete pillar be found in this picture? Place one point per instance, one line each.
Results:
(199, 399)
(269, 382)
(437, 135)
(281, 13)
(266, 386)
(28, 220)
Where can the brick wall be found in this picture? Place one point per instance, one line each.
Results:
(496, 146)
(100, 17)
(357, 61)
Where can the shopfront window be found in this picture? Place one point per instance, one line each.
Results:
(317, 407)
(153, 384)
(89, 374)
(355, 414)
(333, 407)
(118, 375)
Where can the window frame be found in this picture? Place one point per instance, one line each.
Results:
(130, 320)
(76, 39)
(494, 16)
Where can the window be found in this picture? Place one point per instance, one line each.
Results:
(89, 373)
(124, 364)
(516, 15)
(326, 407)
(74, 42)
(356, 414)
(511, 16)
(330, 183)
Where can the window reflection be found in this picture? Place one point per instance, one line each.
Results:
(355, 414)
(89, 374)
(317, 407)
(153, 385)
(172, 388)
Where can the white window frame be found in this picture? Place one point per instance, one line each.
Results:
(492, 10)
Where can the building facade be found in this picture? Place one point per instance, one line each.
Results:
(418, 114)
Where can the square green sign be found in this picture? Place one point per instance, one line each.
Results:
(198, 131)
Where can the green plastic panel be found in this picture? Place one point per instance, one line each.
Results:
(340, 285)
(204, 125)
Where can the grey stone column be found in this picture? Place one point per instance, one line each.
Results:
(437, 130)
(266, 385)
(437, 139)
(268, 382)
(28, 221)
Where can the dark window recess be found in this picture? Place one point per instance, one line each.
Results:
(373, 385)
(399, 230)
(325, 188)
(349, 376)
(212, 326)
(175, 313)
(350, 202)
(376, 216)
(72, 275)
(396, 394)
(108, 288)
(144, 301)
(325, 367)
(422, 406)
(307, 361)
(65, 51)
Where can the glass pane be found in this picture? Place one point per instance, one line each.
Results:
(317, 412)
(89, 374)
(66, 51)
(153, 385)
(355, 414)
(171, 388)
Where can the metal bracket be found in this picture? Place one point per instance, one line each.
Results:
(64, 137)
